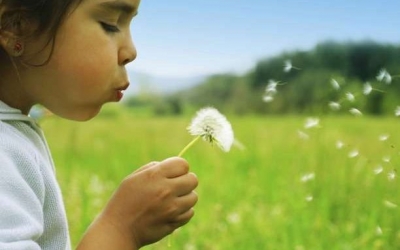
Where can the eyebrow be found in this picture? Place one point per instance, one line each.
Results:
(120, 6)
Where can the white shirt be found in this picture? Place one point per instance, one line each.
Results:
(32, 213)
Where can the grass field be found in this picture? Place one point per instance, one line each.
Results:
(280, 192)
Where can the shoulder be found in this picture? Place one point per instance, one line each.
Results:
(19, 160)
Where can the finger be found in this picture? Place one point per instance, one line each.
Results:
(174, 167)
(185, 184)
(147, 166)
(184, 203)
(182, 219)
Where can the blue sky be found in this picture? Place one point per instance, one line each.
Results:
(185, 38)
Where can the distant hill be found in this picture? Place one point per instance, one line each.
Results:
(142, 82)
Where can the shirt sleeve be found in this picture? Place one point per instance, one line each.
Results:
(21, 201)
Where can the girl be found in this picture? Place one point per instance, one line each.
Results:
(70, 56)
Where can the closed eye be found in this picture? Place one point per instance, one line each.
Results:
(109, 28)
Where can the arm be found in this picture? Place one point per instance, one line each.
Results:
(149, 204)
(21, 203)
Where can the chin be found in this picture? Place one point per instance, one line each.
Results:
(82, 115)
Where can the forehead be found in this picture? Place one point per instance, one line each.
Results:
(126, 6)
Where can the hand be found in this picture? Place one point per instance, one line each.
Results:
(152, 202)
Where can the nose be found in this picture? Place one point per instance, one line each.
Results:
(127, 52)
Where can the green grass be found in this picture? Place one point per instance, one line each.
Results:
(248, 199)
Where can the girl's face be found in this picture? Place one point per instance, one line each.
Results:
(87, 67)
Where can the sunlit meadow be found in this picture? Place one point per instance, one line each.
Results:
(296, 183)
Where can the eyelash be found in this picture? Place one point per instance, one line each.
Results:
(109, 28)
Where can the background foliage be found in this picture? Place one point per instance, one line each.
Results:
(306, 90)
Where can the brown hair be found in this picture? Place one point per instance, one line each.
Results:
(46, 14)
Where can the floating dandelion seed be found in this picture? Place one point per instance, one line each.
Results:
(288, 66)
(309, 198)
(367, 88)
(233, 218)
(311, 122)
(378, 231)
(384, 137)
(391, 175)
(339, 144)
(386, 159)
(350, 97)
(397, 111)
(355, 112)
(335, 84)
(303, 135)
(378, 169)
(268, 98)
(271, 86)
(389, 204)
(354, 153)
(307, 177)
(384, 76)
(334, 105)
(210, 125)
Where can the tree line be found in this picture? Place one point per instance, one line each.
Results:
(304, 81)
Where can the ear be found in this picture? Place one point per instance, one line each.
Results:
(11, 29)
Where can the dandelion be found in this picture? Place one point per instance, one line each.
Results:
(384, 76)
(287, 67)
(367, 88)
(397, 111)
(350, 97)
(311, 122)
(378, 169)
(334, 105)
(335, 84)
(355, 112)
(354, 153)
(213, 127)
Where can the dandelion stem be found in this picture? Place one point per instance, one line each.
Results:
(189, 145)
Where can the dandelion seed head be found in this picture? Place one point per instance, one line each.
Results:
(367, 88)
(355, 112)
(334, 105)
(335, 84)
(212, 127)
(350, 97)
